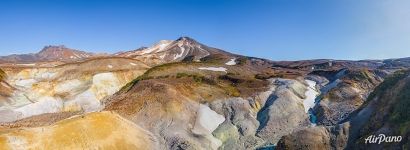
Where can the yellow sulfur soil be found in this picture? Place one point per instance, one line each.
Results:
(98, 130)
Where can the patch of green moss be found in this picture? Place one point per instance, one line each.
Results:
(241, 60)
(360, 75)
(389, 82)
(391, 109)
(147, 73)
(401, 113)
(214, 58)
(268, 76)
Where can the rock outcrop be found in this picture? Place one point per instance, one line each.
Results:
(346, 92)
(384, 113)
(317, 138)
(69, 87)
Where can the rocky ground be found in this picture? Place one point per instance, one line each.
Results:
(384, 112)
(348, 93)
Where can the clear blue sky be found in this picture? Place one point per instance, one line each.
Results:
(276, 29)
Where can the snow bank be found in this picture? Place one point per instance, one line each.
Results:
(109, 66)
(182, 51)
(311, 93)
(26, 64)
(206, 122)
(231, 62)
(213, 68)
(157, 48)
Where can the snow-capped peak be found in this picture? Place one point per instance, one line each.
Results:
(160, 46)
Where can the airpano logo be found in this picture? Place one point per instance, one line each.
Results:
(382, 138)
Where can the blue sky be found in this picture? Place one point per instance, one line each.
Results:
(276, 29)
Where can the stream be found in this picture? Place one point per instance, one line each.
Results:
(310, 101)
(325, 89)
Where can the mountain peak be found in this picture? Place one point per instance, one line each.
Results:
(61, 52)
(53, 48)
(186, 38)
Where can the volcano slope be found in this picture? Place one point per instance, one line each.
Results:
(166, 51)
(172, 100)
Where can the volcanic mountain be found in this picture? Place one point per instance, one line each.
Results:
(48, 53)
(182, 49)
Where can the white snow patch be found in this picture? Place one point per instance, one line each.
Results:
(182, 51)
(311, 93)
(109, 66)
(162, 46)
(146, 51)
(156, 48)
(133, 64)
(26, 64)
(76, 55)
(222, 69)
(231, 62)
(206, 122)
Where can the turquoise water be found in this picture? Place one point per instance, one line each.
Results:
(269, 147)
(312, 117)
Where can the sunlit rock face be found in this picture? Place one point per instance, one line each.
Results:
(263, 119)
(70, 87)
(100, 130)
(346, 93)
(318, 137)
(283, 111)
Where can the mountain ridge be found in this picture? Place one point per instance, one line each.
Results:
(48, 53)
(168, 50)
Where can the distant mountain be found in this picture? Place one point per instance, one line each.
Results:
(182, 49)
(48, 53)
